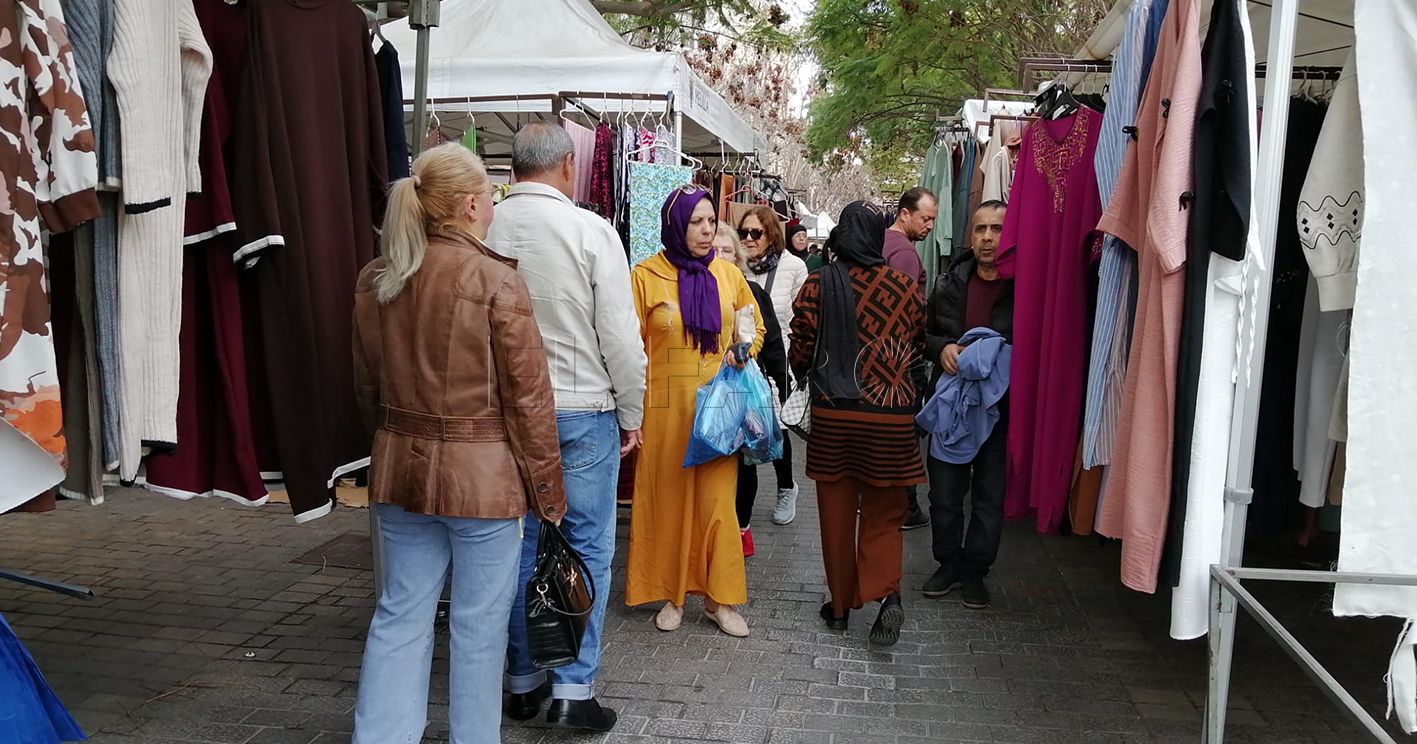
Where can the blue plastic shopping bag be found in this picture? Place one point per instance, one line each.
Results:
(762, 432)
(719, 410)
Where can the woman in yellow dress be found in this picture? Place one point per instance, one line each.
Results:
(683, 526)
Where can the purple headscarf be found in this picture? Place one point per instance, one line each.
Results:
(698, 289)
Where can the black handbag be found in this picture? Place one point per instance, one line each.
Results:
(559, 597)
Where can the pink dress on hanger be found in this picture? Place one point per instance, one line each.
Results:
(583, 139)
(1147, 212)
(1047, 244)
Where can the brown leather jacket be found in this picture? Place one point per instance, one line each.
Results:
(452, 379)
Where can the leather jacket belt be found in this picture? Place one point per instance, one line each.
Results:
(443, 428)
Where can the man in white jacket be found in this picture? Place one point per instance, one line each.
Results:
(579, 278)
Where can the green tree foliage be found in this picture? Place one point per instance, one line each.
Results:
(667, 24)
(890, 67)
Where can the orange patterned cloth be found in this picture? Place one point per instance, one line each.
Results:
(50, 172)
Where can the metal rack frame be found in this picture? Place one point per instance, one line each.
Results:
(1226, 591)
(423, 16)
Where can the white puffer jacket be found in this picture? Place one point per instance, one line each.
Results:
(791, 275)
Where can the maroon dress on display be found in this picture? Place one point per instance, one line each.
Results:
(1047, 243)
(308, 181)
(216, 450)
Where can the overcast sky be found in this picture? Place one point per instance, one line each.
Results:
(799, 10)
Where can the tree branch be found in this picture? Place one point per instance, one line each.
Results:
(643, 8)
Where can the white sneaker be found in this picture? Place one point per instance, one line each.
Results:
(786, 509)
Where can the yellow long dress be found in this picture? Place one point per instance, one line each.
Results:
(683, 524)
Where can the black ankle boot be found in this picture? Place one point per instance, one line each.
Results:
(886, 630)
(829, 615)
(524, 706)
(584, 715)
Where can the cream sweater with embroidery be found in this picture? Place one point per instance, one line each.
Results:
(1331, 201)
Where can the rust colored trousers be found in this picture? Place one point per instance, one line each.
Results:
(862, 558)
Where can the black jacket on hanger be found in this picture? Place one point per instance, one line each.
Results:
(1219, 223)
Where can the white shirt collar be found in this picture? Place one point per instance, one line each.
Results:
(539, 189)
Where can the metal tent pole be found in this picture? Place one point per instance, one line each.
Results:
(423, 16)
(678, 125)
(1245, 416)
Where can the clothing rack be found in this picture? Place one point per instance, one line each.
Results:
(989, 125)
(423, 16)
(1003, 93)
(1051, 64)
(1226, 592)
(1305, 72)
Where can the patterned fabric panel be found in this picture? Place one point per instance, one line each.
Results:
(650, 184)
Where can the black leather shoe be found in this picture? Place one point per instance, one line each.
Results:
(886, 630)
(945, 579)
(915, 517)
(829, 615)
(974, 595)
(524, 706)
(583, 715)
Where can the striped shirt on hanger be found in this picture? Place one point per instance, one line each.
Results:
(1112, 326)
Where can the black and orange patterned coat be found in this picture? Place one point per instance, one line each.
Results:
(890, 321)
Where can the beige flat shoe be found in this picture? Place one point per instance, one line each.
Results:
(670, 618)
(729, 620)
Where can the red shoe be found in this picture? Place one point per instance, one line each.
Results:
(747, 534)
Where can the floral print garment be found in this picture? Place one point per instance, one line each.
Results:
(650, 184)
(49, 170)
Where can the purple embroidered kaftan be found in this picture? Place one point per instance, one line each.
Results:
(1047, 244)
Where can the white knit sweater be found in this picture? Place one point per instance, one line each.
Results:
(1331, 201)
(159, 68)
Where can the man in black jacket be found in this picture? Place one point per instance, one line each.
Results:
(969, 295)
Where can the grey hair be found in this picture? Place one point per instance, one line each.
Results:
(740, 256)
(539, 147)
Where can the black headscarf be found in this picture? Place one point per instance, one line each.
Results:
(860, 235)
(857, 240)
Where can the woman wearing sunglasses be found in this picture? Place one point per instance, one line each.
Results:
(774, 363)
(683, 526)
(782, 274)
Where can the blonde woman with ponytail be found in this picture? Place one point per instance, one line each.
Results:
(452, 382)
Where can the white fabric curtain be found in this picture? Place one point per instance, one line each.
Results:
(1380, 492)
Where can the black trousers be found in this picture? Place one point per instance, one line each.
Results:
(971, 551)
(748, 481)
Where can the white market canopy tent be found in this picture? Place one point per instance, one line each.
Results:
(1323, 37)
(509, 62)
(976, 111)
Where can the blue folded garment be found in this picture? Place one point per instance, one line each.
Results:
(965, 406)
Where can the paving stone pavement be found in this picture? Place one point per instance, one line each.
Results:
(205, 631)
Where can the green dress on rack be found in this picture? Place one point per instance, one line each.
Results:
(938, 177)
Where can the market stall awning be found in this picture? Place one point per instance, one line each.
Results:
(977, 111)
(1324, 36)
(512, 57)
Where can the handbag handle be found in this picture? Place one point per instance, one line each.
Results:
(542, 589)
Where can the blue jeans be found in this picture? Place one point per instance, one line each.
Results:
(590, 463)
(398, 656)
